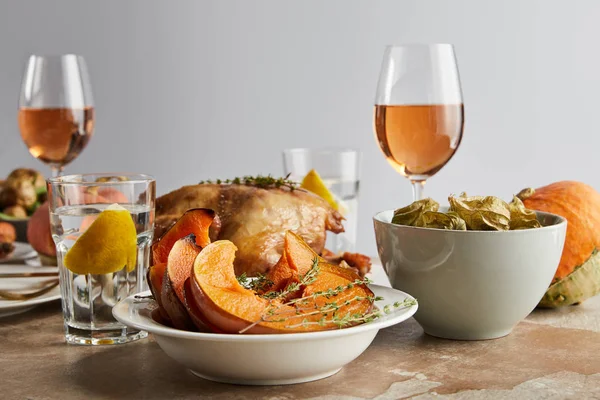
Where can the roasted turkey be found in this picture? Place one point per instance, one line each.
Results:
(254, 218)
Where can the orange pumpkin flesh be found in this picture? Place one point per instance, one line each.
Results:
(216, 288)
(580, 205)
(297, 259)
(223, 320)
(181, 258)
(212, 300)
(231, 307)
(196, 221)
(300, 257)
(194, 310)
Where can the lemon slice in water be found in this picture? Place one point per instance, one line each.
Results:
(108, 245)
(314, 183)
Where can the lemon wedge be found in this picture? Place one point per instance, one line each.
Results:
(108, 245)
(314, 183)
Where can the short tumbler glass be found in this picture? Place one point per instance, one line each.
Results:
(76, 203)
(339, 169)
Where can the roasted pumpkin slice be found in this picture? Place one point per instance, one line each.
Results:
(179, 267)
(233, 308)
(196, 221)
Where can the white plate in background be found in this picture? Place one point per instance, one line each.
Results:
(12, 307)
(23, 251)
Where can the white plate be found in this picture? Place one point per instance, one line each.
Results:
(11, 307)
(263, 359)
(22, 251)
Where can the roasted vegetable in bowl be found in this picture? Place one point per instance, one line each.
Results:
(7, 237)
(472, 285)
(473, 213)
(267, 262)
(577, 277)
(21, 194)
(29, 175)
(195, 287)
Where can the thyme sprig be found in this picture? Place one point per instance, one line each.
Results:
(303, 280)
(332, 292)
(270, 310)
(258, 283)
(327, 308)
(259, 181)
(308, 306)
(347, 319)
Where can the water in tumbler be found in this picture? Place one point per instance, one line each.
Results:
(88, 299)
(346, 193)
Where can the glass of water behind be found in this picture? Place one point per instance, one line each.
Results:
(102, 225)
(339, 169)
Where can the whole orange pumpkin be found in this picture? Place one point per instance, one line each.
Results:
(578, 275)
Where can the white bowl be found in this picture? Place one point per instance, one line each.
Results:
(275, 359)
(471, 285)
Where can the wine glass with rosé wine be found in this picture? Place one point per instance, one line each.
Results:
(56, 109)
(419, 113)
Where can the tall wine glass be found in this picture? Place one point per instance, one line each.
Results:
(419, 113)
(56, 110)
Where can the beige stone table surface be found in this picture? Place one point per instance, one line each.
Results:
(553, 355)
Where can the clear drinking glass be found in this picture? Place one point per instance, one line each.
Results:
(107, 220)
(56, 109)
(339, 169)
(419, 114)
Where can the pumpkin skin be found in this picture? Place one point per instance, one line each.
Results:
(580, 205)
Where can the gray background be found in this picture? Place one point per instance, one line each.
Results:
(189, 90)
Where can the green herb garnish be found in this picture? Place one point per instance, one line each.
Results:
(259, 181)
(329, 311)
(258, 284)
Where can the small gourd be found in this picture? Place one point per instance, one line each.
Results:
(577, 277)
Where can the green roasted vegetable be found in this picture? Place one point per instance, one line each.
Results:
(410, 214)
(521, 217)
(26, 195)
(439, 220)
(475, 213)
(481, 213)
(27, 174)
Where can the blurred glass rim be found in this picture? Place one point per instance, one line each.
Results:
(413, 45)
(80, 179)
(57, 56)
(323, 151)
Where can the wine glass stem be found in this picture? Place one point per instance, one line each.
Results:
(56, 170)
(418, 187)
